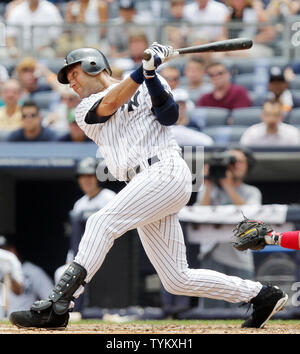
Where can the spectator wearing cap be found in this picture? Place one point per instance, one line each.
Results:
(225, 94)
(10, 113)
(32, 129)
(184, 135)
(279, 89)
(129, 21)
(271, 131)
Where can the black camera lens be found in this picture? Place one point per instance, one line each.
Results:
(218, 165)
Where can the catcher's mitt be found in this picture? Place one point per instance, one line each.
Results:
(250, 234)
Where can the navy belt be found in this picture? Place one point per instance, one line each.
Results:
(131, 172)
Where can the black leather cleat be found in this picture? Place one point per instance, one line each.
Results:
(43, 319)
(269, 301)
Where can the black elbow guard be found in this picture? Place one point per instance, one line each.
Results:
(168, 113)
(93, 118)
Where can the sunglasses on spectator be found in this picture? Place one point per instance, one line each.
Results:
(218, 73)
(25, 70)
(31, 115)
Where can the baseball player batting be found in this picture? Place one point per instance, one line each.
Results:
(130, 122)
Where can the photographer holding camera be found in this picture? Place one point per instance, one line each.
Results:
(224, 184)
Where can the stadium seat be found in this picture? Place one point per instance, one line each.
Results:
(296, 93)
(225, 134)
(9, 64)
(55, 64)
(294, 116)
(245, 80)
(247, 66)
(43, 99)
(208, 116)
(278, 61)
(243, 67)
(257, 100)
(3, 135)
(246, 116)
(295, 83)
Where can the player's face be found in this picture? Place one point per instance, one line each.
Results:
(79, 81)
(88, 184)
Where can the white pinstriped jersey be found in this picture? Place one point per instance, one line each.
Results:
(149, 203)
(131, 135)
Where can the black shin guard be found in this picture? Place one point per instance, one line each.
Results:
(62, 294)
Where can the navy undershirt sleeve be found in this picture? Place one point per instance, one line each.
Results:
(163, 105)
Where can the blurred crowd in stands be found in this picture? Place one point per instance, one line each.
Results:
(252, 96)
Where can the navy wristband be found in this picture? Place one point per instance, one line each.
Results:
(149, 74)
(138, 75)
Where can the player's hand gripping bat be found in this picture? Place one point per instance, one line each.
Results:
(219, 46)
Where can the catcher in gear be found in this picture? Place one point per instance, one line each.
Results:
(255, 235)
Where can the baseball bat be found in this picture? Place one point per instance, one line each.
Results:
(219, 46)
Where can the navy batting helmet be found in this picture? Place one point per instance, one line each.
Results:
(91, 59)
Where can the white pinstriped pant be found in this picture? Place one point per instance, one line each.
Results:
(150, 203)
